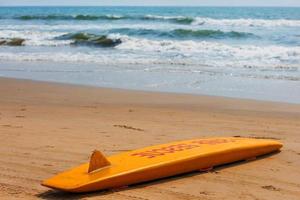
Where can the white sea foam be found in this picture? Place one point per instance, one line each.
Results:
(230, 22)
(167, 52)
(218, 51)
(35, 38)
(246, 22)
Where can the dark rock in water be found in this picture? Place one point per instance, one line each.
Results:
(106, 42)
(16, 42)
(88, 39)
(12, 42)
(98, 41)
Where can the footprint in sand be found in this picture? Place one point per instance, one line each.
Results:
(11, 126)
(270, 187)
(20, 116)
(102, 132)
(204, 193)
(129, 127)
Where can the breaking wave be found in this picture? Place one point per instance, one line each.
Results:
(246, 22)
(172, 19)
(174, 52)
(57, 38)
(179, 33)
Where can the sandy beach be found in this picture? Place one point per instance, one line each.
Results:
(46, 128)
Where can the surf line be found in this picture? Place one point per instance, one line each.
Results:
(180, 147)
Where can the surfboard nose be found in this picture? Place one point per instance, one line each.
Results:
(274, 143)
(59, 182)
(69, 180)
(278, 145)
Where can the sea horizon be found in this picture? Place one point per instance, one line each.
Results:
(186, 6)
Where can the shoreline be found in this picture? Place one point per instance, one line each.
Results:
(136, 78)
(141, 90)
(179, 96)
(48, 127)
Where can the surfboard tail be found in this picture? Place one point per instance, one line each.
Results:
(97, 161)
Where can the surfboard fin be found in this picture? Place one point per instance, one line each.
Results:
(97, 161)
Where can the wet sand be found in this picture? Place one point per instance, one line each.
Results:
(46, 128)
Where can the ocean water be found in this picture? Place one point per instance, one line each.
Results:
(246, 52)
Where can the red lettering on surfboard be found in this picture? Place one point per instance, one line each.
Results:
(165, 150)
(180, 147)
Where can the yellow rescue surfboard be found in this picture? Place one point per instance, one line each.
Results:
(158, 162)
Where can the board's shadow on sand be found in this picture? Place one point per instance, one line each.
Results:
(53, 194)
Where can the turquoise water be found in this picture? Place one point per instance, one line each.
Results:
(180, 49)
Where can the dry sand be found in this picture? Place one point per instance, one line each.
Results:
(46, 128)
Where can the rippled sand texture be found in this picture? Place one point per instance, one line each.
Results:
(47, 128)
